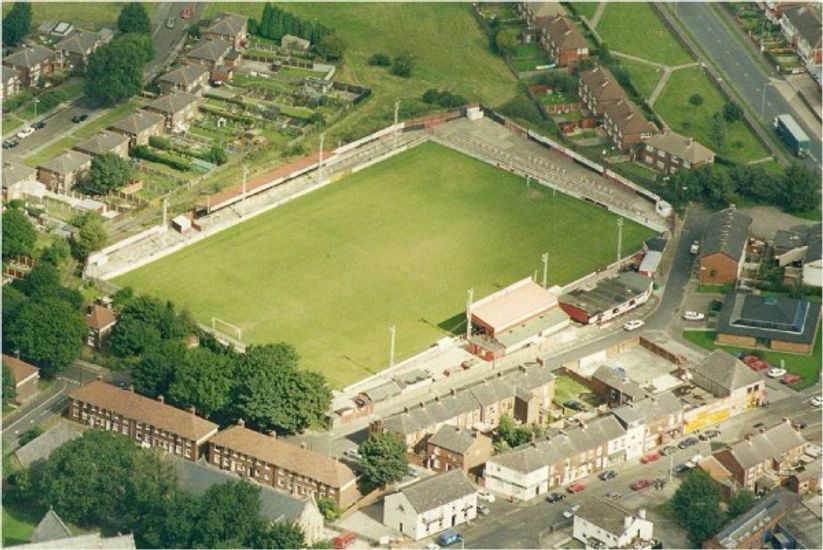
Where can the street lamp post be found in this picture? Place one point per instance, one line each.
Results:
(763, 100)
(36, 101)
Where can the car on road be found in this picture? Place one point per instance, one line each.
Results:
(695, 247)
(776, 372)
(791, 379)
(555, 497)
(10, 144)
(79, 118)
(634, 324)
(649, 458)
(485, 495)
(680, 468)
(352, 453)
(448, 538)
(710, 434)
(667, 450)
(816, 401)
(640, 484)
(568, 514)
(25, 132)
(574, 405)
(607, 475)
(185, 13)
(576, 487)
(39, 125)
(483, 510)
(614, 496)
(170, 22)
(755, 363)
(688, 442)
(693, 316)
(694, 461)
(411, 472)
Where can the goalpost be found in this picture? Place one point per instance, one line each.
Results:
(238, 332)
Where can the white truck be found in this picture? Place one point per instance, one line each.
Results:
(694, 248)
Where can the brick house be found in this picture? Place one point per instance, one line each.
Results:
(537, 14)
(778, 322)
(99, 321)
(210, 53)
(177, 108)
(597, 88)
(650, 422)
(669, 151)
(73, 51)
(188, 78)
(149, 422)
(808, 479)
(282, 465)
(25, 378)
(563, 41)
(229, 27)
(31, 63)
(11, 82)
(801, 25)
(16, 179)
(723, 247)
(140, 126)
(456, 448)
(625, 124)
(104, 142)
(756, 528)
(62, 172)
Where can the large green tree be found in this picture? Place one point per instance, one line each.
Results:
(19, 236)
(741, 503)
(134, 19)
(283, 535)
(155, 371)
(132, 337)
(115, 70)
(203, 381)
(383, 459)
(9, 385)
(48, 332)
(696, 506)
(108, 172)
(229, 516)
(801, 188)
(17, 23)
(90, 236)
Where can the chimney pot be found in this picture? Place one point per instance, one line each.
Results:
(749, 437)
(161, 398)
(787, 420)
(192, 410)
(131, 388)
(437, 398)
(453, 391)
(302, 444)
(100, 377)
(406, 409)
(241, 422)
(641, 513)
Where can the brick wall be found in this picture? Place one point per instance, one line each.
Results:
(778, 345)
(734, 340)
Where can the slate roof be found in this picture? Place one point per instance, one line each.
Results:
(383, 391)
(50, 528)
(771, 317)
(46, 443)
(435, 491)
(803, 524)
(67, 162)
(544, 9)
(227, 24)
(788, 240)
(772, 506)
(656, 244)
(627, 118)
(173, 102)
(79, 42)
(20, 370)
(565, 34)
(726, 232)
(652, 408)
(812, 470)
(28, 57)
(8, 73)
(138, 122)
(210, 50)
(184, 75)
(680, 146)
(807, 20)
(84, 542)
(724, 370)
(143, 409)
(770, 444)
(608, 293)
(616, 377)
(814, 241)
(453, 439)
(102, 142)
(602, 85)
(285, 455)
(605, 514)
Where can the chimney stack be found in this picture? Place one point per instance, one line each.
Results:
(161, 398)
(131, 388)
(406, 409)
(302, 444)
(99, 376)
(749, 438)
(192, 410)
(627, 522)
(453, 392)
(641, 513)
(241, 422)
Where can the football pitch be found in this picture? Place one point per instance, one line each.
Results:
(396, 244)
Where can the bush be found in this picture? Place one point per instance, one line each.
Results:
(696, 100)
(380, 60)
(403, 65)
(732, 112)
(217, 155)
(50, 100)
(145, 153)
(159, 142)
(443, 99)
(522, 107)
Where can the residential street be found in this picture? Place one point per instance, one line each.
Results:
(741, 71)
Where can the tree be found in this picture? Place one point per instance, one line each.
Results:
(717, 132)
(511, 434)
(696, 506)
(115, 70)
(134, 19)
(9, 385)
(741, 503)
(696, 100)
(330, 47)
(403, 65)
(17, 23)
(132, 337)
(90, 236)
(229, 516)
(57, 253)
(382, 459)
(800, 188)
(380, 60)
(43, 280)
(202, 381)
(732, 112)
(108, 172)
(154, 373)
(174, 524)
(30, 435)
(217, 155)
(281, 535)
(19, 236)
(329, 508)
(48, 333)
(506, 40)
(194, 30)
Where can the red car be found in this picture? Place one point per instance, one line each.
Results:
(640, 484)
(185, 13)
(649, 458)
(791, 379)
(575, 487)
(755, 363)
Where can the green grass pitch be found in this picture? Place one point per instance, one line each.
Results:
(396, 244)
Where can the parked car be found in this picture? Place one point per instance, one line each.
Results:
(694, 461)
(568, 514)
(170, 22)
(799, 425)
(555, 497)
(39, 125)
(695, 247)
(755, 363)
(688, 442)
(485, 495)
(607, 475)
(79, 118)
(633, 324)
(576, 487)
(680, 468)
(791, 379)
(574, 405)
(816, 401)
(483, 510)
(352, 453)
(649, 458)
(25, 132)
(776, 372)
(10, 144)
(449, 537)
(411, 472)
(667, 450)
(185, 13)
(640, 484)
(710, 434)
(694, 316)
(343, 540)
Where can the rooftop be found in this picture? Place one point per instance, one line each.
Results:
(138, 122)
(227, 24)
(726, 232)
(453, 439)
(184, 75)
(602, 84)
(680, 146)
(210, 50)
(102, 142)
(27, 58)
(78, 42)
(41, 447)
(770, 444)
(67, 162)
(565, 34)
(725, 371)
(605, 514)
(608, 293)
(438, 490)
(771, 507)
(143, 409)
(21, 370)
(806, 18)
(512, 305)
(173, 102)
(50, 528)
(100, 317)
(770, 317)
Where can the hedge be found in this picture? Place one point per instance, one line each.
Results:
(146, 153)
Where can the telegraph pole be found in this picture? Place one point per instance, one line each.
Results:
(165, 217)
(396, 121)
(470, 292)
(392, 332)
(243, 200)
(320, 162)
(545, 267)
(619, 238)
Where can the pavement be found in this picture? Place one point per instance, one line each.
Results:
(741, 70)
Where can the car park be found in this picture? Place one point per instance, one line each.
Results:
(576, 487)
(776, 372)
(39, 125)
(568, 514)
(816, 401)
(693, 316)
(25, 132)
(633, 325)
(555, 497)
(667, 450)
(607, 475)
(79, 118)
(485, 495)
(649, 458)
(688, 442)
(483, 510)
(640, 484)
(791, 379)
(710, 434)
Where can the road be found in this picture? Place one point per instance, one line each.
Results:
(165, 39)
(741, 71)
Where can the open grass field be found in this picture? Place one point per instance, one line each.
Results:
(459, 59)
(398, 243)
(633, 28)
(673, 106)
(586, 9)
(89, 15)
(644, 77)
(807, 366)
